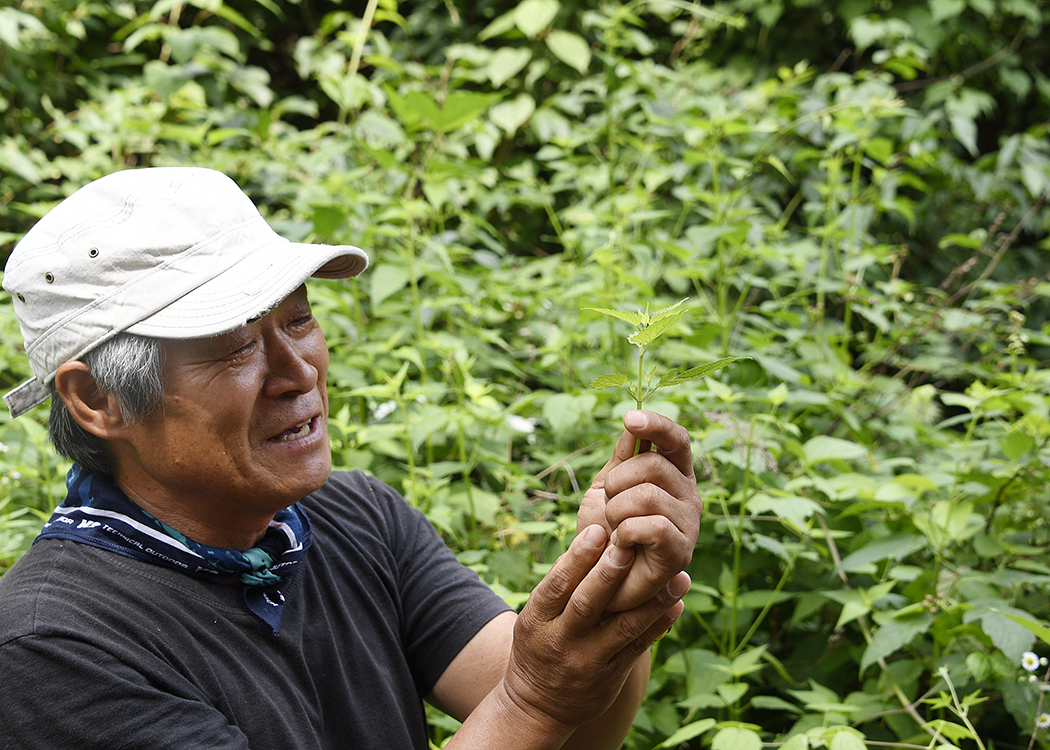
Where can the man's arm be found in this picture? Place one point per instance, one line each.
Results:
(480, 666)
(568, 664)
(648, 507)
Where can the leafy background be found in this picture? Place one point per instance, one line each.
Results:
(851, 193)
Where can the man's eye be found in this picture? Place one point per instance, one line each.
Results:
(241, 351)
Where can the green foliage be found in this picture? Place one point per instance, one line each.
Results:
(853, 192)
(649, 329)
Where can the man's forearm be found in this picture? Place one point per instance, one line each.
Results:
(609, 730)
(488, 725)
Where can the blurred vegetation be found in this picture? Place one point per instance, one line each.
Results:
(851, 193)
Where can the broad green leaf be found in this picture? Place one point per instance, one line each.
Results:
(460, 107)
(793, 508)
(675, 378)
(980, 665)
(13, 160)
(941, 10)
(736, 738)
(570, 48)
(825, 448)
(773, 703)
(1007, 634)
(563, 410)
(512, 114)
(732, 692)
(607, 381)
(386, 280)
(499, 26)
(507, 63)
(1041, 631)
(418, 108)
(893, 636)
(858, 602)
(635, 319)
(533, 16)
(894, 547)
(847, 739)
(655, 329)
(688, 732)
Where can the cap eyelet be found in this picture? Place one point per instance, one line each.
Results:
(93, 252)
(49, 277)
(20, 297)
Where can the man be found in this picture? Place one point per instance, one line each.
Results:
(209, 582)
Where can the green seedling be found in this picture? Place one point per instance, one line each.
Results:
(648, 329)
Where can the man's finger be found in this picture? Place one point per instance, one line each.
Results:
(550, 596)
(671, 439)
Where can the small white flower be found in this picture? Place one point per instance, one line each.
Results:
(1045, 687)
(3, 448)
(1033, 678)
(1043, 720)
(1029, 661)
(384, 410)
(521, 424)
(1043, 661)
(16, 475)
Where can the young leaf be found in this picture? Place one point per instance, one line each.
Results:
(675, 378)
(635, 319)
(605, 381)
(667, 310)
(655, 329)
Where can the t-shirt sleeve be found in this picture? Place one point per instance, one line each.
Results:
(444, 603)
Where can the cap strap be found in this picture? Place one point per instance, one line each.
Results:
(24, 397)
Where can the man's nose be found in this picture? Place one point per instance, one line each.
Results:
(290, 367)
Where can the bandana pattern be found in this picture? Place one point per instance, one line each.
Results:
(98, 513)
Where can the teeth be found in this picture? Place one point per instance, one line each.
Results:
(300, 430)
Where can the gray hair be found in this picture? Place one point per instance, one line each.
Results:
(128, 367)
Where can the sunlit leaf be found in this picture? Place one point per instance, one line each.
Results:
(606, 381)
(700, 371)
(570, 48)
(634, 319)
(655, 329)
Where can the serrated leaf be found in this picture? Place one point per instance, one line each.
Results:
(676, 378)
(635, 319)
(660, 314)
(655, 329)
(893, 636)
(607, 381)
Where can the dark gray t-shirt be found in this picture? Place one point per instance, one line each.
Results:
(101, 651)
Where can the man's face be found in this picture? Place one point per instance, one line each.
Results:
(243, 428)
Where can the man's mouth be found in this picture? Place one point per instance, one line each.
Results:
(294, 433)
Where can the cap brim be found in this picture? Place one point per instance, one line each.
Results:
(250, 288)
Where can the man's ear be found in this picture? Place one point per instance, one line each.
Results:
(93, 408)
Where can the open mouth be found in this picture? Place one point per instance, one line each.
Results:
(294, 433)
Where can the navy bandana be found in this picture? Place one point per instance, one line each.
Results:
(98, 513)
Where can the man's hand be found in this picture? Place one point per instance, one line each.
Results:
(647, 502)
(569, 660)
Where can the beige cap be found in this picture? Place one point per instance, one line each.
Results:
(167, 252)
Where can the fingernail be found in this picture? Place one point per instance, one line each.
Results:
(635, 419)
(619, 557)
(594, 536)
(678, 586)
